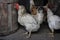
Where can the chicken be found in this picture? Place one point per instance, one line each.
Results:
(53, 21)
(31, 4)
(37, 14)
(27, 20)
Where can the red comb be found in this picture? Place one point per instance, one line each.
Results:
(17, 6)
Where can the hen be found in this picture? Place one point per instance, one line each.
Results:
(53, 20)
(27, 20)
(37, 14)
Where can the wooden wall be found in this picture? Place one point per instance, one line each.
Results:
(8, 1)
(8, 17)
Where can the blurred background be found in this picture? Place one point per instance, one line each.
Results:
(10, 29)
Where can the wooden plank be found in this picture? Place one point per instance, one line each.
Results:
(8, 1)
(0, 18)
(14, 18)
(9, 18)
(4, 21)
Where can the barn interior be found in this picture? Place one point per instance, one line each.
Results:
(42, 34)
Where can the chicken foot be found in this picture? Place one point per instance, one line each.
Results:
(29, 35)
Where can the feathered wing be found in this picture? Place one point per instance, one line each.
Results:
(39, 16)
(57, 22)
(30, 23)
(28, 19)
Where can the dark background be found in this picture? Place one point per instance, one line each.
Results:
(26, 3)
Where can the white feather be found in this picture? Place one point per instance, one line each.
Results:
(53, 20)
(39, 16)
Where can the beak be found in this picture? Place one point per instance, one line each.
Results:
(16, 6)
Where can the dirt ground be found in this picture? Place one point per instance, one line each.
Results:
(42, 34)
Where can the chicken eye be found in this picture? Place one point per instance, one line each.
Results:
(32, 10)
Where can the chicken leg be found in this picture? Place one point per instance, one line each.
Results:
(26, 33)
(52, 34)
(29, 35)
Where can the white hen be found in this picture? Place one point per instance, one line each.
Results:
(53, 20)
(27, 20)
(38, 15)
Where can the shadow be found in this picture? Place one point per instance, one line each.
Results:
(57, 31)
